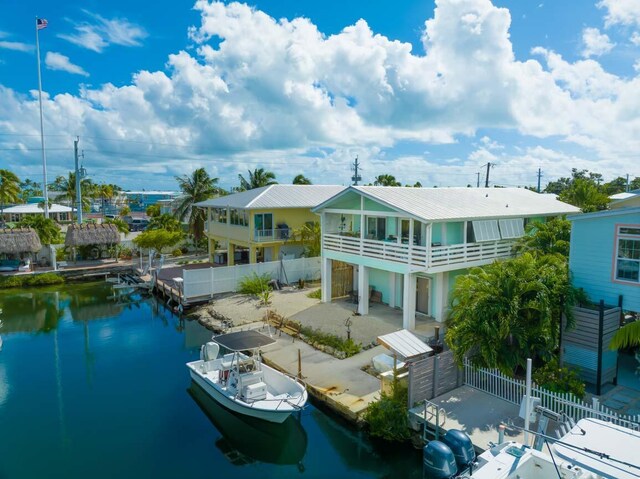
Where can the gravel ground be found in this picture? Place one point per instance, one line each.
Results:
(244, 309)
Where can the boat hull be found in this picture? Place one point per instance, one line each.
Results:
(275, 416)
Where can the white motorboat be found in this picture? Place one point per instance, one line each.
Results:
(592, 449)
(242, 383)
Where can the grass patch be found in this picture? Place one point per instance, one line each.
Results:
(254, 284)
(30, 280)
(317, 294)
(346, 346)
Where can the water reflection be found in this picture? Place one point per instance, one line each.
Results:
(41, 310)
(246, 440)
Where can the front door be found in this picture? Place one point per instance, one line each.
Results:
(422, 295)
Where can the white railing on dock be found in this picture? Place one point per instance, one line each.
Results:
(512, 390)
(420, 256)
(205, 282)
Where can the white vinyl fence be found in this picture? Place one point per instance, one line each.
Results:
(497, 384)
(209, 281)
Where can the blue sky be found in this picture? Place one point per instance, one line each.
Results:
(304, 87)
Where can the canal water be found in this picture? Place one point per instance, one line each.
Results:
(93, 385)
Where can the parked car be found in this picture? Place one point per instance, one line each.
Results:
(138, 224)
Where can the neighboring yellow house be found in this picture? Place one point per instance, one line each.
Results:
(257, 225)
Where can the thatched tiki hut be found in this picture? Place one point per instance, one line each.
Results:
(99, 237)
(18, 242)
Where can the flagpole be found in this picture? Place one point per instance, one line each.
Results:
(44, 156)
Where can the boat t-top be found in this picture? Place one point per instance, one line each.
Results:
(241, 382)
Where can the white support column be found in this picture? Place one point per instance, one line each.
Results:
(409, 301)
(325, 291)
(409, 256)
(464, 238)
(441, 296)
(392, 290)
(363, 290)
(443, 230)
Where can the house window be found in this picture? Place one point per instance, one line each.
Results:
(238, 218)
(486, 230)
(512, 228)
(376, 228)
(219, 215)
(263, 224)
(628, 254)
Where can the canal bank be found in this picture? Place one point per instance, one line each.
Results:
(94, 384)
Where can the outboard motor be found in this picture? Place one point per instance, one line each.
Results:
(461, 446)
(438, 461)
(209, 351)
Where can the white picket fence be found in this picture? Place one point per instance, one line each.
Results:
(499, 385)
(204, 282)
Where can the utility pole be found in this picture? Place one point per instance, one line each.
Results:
(478, 180)
(355, 167)
(80, 174)
(486, 180)
(627, 187)
(539, 176)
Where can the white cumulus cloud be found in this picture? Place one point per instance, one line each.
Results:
(595, 43)
(279, 93)
(621, 12)
(57, 61)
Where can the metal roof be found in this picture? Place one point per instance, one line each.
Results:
(625, 195)
(405, 344)
(451, 204)
(32, 208)
(597, 214)
(276, 196)
(243, 340)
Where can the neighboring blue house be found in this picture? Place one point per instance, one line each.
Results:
(605, 256)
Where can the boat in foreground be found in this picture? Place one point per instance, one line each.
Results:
(592, 449)
(242, 383)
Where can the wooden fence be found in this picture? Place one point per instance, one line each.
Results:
(586, 346)
(432, 377)
(497, 384)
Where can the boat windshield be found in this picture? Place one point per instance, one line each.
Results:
(243, 340)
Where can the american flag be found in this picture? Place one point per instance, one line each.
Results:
(41, 23)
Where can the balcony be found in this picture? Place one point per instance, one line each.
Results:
(272, 234)
(438, 258)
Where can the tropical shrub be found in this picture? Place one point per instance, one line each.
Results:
(314, 336)
(30, 280)
(509, 311)
(176, 252)
(561, 380)
(47, 229)
(254, 284)
(387, 418)
(549, 237)
(158, 239)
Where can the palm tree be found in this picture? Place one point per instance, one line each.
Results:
(586, 195)
(29, 188)
(627, 336)
(386, 180)
(550, 237)
(197, 187)
(67, 188)
(47, 229)
(106, 192)
(257, 178)
(9, 188)
(301, 180)
(164, 222)
(508, 311)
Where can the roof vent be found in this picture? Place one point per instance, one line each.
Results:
(507, 206)
(487, 195)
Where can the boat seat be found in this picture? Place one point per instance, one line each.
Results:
(253, 377)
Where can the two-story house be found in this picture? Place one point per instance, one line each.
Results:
(605, 254)
(409, 244)
(258, 225)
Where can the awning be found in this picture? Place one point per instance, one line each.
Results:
(405, 344)
(243, 340)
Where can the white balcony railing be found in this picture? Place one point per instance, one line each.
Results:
(272, 234)
(420, 256)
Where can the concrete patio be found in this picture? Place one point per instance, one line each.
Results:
(332, 318)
